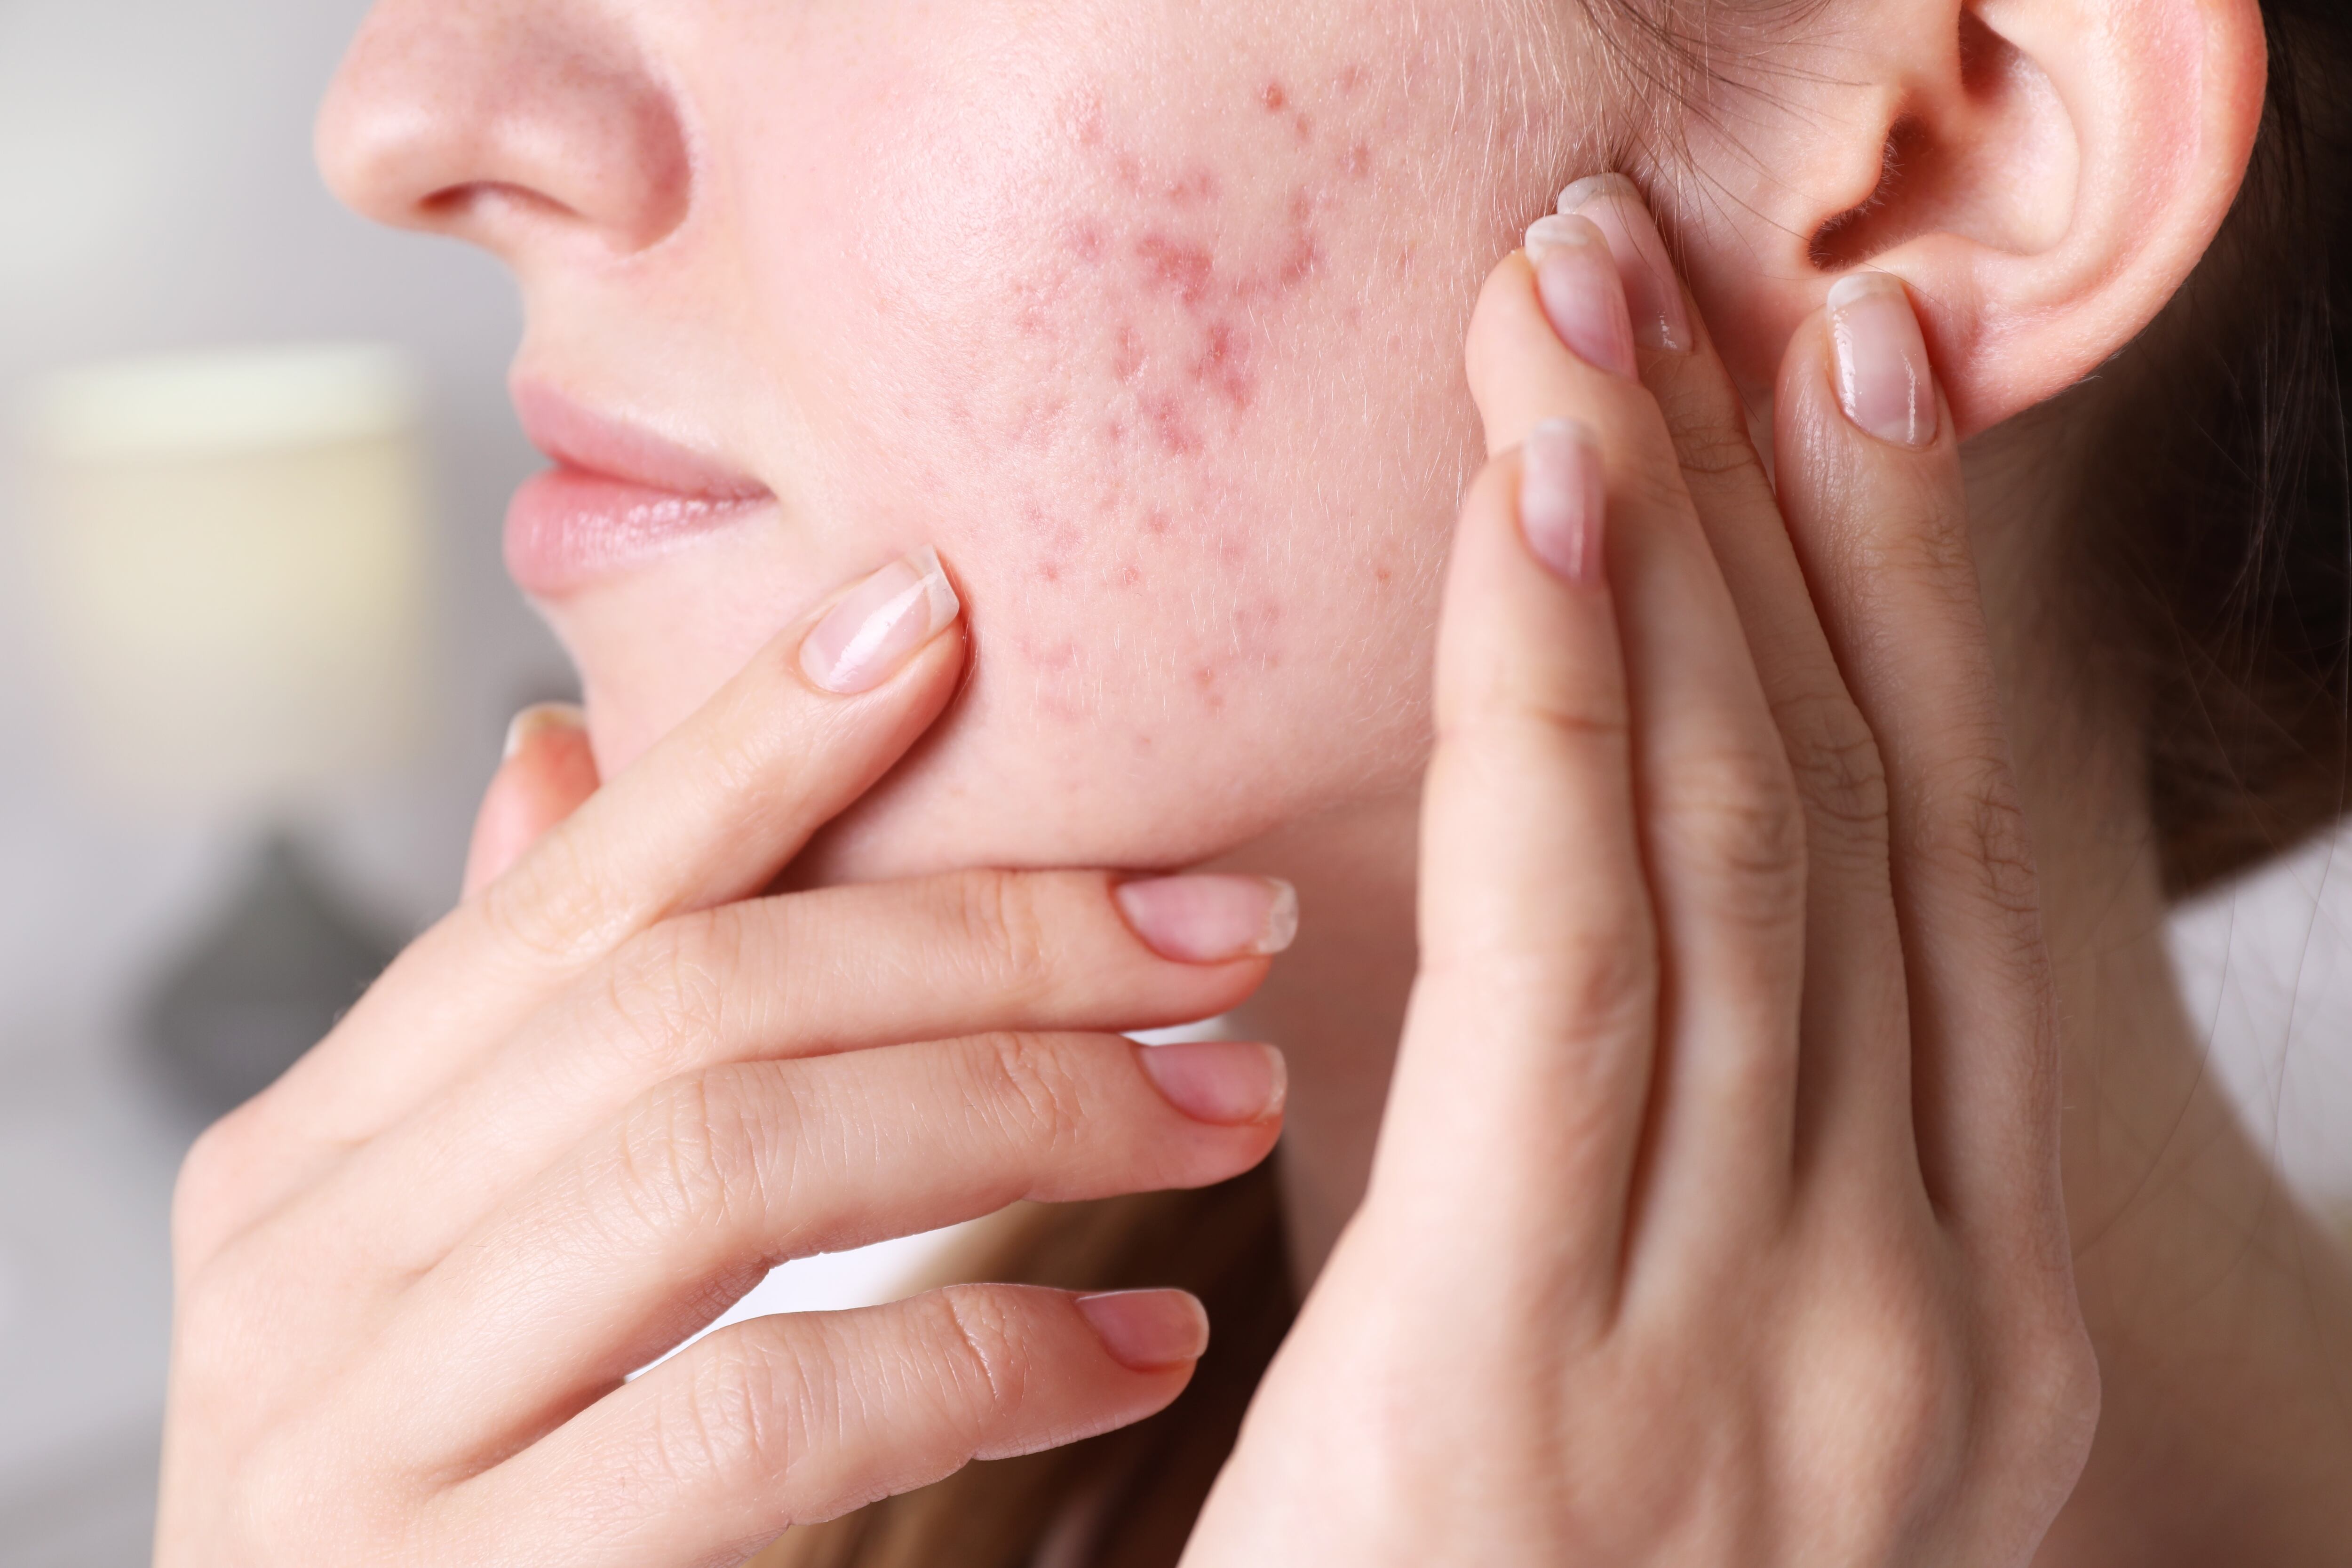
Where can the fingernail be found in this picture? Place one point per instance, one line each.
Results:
(1563, 496)
(879, 624)
(1654, 296)
(1147, 1330)
(1576, 278)
(1883, 377)
(1209, 919)
(539, 718)
(1227, 1083)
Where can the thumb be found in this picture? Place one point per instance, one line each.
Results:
(549, 770)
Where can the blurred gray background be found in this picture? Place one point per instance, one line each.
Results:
(154, 156)
(160, 196)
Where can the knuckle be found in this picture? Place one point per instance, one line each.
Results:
(663, 998)
(749, 1411)
(997, 915)
(986, 1373)
(553, 906)
(1527, 729)
(1974, 828)
(1707, 446)
(688, 1151)
(1734, 812)
(1836, 764)
(1032, 1086)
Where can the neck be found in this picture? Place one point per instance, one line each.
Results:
(1335, 1004)
(2221, 1313)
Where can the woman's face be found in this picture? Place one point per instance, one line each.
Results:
(1146, 313)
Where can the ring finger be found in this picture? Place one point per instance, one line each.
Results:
(661, 1219)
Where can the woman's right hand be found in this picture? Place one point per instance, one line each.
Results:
(590, 1108)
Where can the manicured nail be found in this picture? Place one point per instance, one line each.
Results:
(1576, 278)
(539, 718)
(1209, 919)
(1883, 377)
(1563, 495)
(1147, 1330)
(1654, 296)
(1228, 1083)
(879, 624)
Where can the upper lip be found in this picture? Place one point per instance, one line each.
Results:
(579, 438)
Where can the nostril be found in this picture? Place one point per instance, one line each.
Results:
(457, 207)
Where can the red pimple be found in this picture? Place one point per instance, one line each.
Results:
(1084, 241)
(1273, 97)
(1192, 188)
(1176, 265)
(1168, 422)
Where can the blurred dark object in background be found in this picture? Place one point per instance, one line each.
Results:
(261, 983)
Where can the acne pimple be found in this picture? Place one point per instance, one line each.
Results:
(1273, 97)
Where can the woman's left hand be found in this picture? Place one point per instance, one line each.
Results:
(1715, 1217)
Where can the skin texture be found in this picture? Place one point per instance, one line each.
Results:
(1149, 321)
(1109, 317)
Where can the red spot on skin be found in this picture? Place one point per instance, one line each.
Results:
(1358, 161)
(1273, 97)
(1349, 80)
(1176, 265)
(1168, 422)
(1155, 524)
(1303, 128)
(1204, 680)
(1115, 434)
(1382, 575)
(1192, 188)
(1127, 576)
(1050, 571)
(1086, 241)
(1222, 366)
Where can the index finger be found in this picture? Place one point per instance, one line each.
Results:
(711, 814)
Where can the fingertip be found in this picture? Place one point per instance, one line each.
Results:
(1148, 1330)
(548, 770)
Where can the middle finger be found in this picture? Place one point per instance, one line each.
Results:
(840, 969)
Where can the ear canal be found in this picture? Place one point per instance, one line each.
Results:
(1985, 151)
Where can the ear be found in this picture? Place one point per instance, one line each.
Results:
(2043, 173)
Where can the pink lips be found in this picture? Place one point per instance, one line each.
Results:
(616, 496)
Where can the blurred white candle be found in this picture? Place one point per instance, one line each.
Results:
(230, 550)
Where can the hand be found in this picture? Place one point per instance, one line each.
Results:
(1715, 1217)
(588, 1109)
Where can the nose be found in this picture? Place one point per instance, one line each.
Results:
(500, 119)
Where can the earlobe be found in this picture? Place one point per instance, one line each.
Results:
(2044, 174)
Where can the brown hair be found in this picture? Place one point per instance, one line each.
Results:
(2216, 554)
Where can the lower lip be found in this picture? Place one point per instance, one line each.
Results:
(567, 527)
